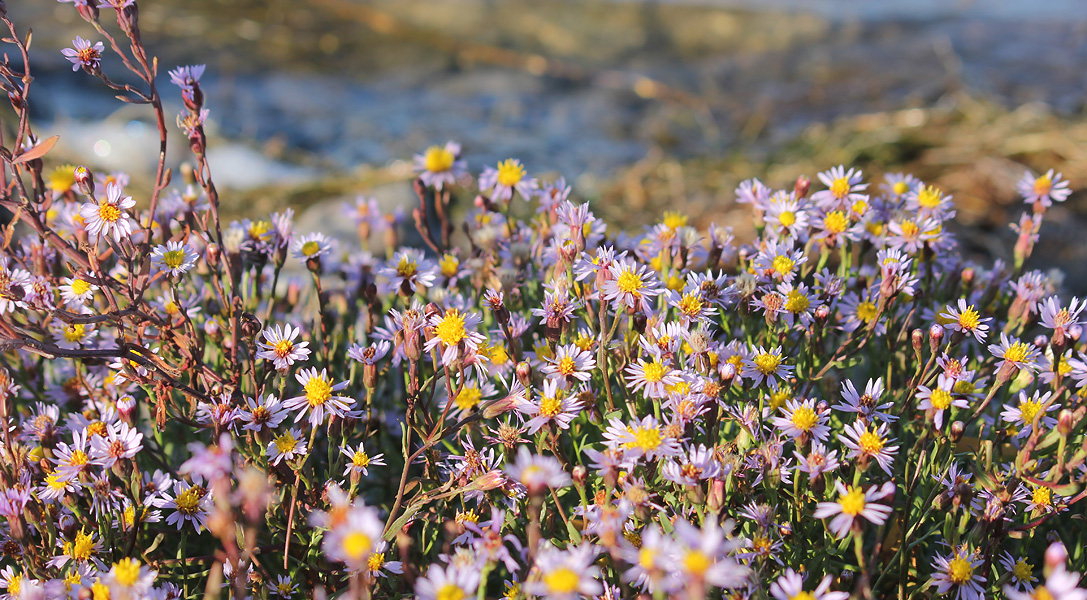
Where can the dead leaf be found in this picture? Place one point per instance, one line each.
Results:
(37, 151)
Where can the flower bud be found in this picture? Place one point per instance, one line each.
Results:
(822, 313)
(126, 407)
(716, 499)
(802, 187)
(213, 253)
(524, 373)
(84, 179)
(917, 338)
(579, 474)
(1065, 422)
(250, 325)
(967, 276)
(1040, 341)
(1055, 556)
(490, 480)
(957, 430)
(935, 336)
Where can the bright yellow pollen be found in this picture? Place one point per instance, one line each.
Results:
(674, 220)
(550, 407)
(356, 545)
(61, 179)
(360, 459)
(468, 397)
(646, 438)
(859, 207)
(376, 561)
(690, 304)
(803, 596)
(852, 502)
(562, 581)
(795, 302)
(654, 372)
(449, 265)
(787, 218)
(450, 591)
(960, 570)
(78, 458)
(1022, 570)
(696, 562)
(97, 428)
(767, 363)
(940, 399)
(870, 442)
(259, 229)
(406, 267)
(437, 159)
(175, 258)
(188, 501)
(1043, 184)
(963, 386)
(969, 319)
(318, 390)
(929, 197)
(840, 187)
(783, 264)
(126, 571)
(310, 248)
(900, 187)
(285, 442)
(510, 172)
(54, 481)
(910, 229)
(804, 418)
(629, 282)
(80, 287)
(566, 365)
(1017, 352)
(100, 591)
(451, 329)
(647, 557)
(109, 212)
(1042, 496)
(835, 222)
(82, 548)
(74, 332)
(866, 311)
(1042, 593)
(283, 348)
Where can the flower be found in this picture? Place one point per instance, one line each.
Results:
(940, 399)
(447, 583)
(77, 290)
(173, 257)
(765, 365)
(311, 246)
(454, 331)
(360, 460)
(1015, 353)
(1030, 410)
(957, 571)
(802, 420)
(119, 442)
(286, 446)
(866, 405)
(853, 503)
(128, 578)
(702, 555)
(817, 462)
(554, 406)
(264, 414)
(85, 55)
(318, 397)
(645, 438)
(355, 538)
(409, 270)
(565, 574)
(569, 362)
(510, 176)
(190, 502)
(537, 472)
(654, 376)
(1059, 585)
(279, 346)
(629, 285)
(790, 586)
(867, 442)
(843, 188)
(109, 216)
(440, 166)
(965, 319)
(1044, 189)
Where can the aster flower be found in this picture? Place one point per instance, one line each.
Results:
(702, 556)
(843, 188)
(120, 442)
(354, 539)
(641, 439)
(318, 397)
(85, 55)
(128, 578)
(569, 362)
(553, 406)
(965, 319)
(408, 270)
(958, 573)
(174, 257)
(109, 216)
(286, 446)
(854, 503)
(74, 335)
(440, 166)
(778, 260)
(565, 574)
(1014, 353)
(1044, 189)
(1059, 585)
(263, 414)
(866, 442)
(280, 347)
(929, 200)
(630, 285)
(189, 503)
(652, 376)
(1058, 318)
(510, 176)
(537, 472)
(766, 365)
(454, 331)
(446, 583)
(76, 290)
(940, 399)
(801, 420)
(311, 246)
(790, 586)
(1030, 410)
(692, 467)
(866, 405)
(186, 76)
(360, 460)
(817, 462)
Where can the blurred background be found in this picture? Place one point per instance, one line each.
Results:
(641, 105)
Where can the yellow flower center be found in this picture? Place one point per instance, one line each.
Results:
(940, 399)
(97, 428)
(126, 571)
(960, 570)
(109, 212)
(80, 287)
(78, 458)
(468, 397)
(835, 222)
(646, 438)
(175, 258)
(450, 591)
(100, 591)
(767, 363)
(690, 304)
(629, 282)
(188, 501)
(566, 365)
(852, 502)
(562, 581)
(969, 319)
(376, 561)
(839, 187)
(510, 172)
(285, 442)
(82, 548)
(654, 371)
(360, 459)
(1017, 352)
(283, 348)
(1042, 185)
(406, 267)
(259, 229)
(1022, 570)
(61, 179)
(318, 390)
(356, 545)
(696, 562)
(900, 187)
(866, 311)
(796, 302)
(1042, 593)
(449, 265)
(859, 207)
(550, 407)
(803, 596)
(963, 386)
(804, 418)
(451, 329)
(929, 197)
(870, 442)
(910, 229)
(74, 332)
(674, 220)
(310, 248)
(438, 159)
(1042, 496)
(787, 218)
(647, 557)
(783, 264)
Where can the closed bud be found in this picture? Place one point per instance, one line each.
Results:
(499, 407)
(917, 338)
(213, 253)
(935, 337)
(967, 276)
(524, 373)
(250, 325)
(1065, 422)
(957, 429)
(488, 481)
(84, 179)
(314, 265)
(579, 474)
(640, 321)
(126, 408)
(802, 187)
(716, 499)
(822, 313)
